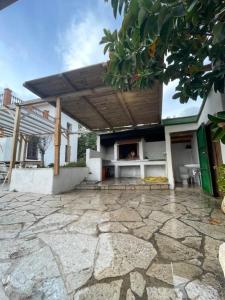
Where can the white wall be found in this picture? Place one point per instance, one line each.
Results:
(195, 148)
(212, 105)
(43, 181)
(67, 179)
(32, 180)
(181, 157)
(129, 171)
(94, 164)
(155, 171)
(155, 150)
(109, 153)
(5, 146)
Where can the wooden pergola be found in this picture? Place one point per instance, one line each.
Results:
(22, 120)
(83, 95)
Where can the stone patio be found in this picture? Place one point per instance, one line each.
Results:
(103, 245)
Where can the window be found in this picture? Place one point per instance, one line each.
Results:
(69, 126)
(32, 149)
(67, 153)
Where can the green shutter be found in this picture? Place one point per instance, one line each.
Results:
(206, 177)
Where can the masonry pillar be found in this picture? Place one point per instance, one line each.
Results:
(98, 143)
(7, 97)
(169, 161)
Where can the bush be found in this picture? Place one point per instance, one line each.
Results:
(75, 164)
(221, 178)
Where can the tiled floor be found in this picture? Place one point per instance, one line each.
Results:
(103, 245)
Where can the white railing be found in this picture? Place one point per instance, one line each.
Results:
(15, 100)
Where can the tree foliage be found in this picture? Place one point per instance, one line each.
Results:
(218, 126)
(166, 40)
(87, 140)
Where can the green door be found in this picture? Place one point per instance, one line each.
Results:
(206, 179)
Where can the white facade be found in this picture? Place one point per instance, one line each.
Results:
(5, 143)
(212, 105)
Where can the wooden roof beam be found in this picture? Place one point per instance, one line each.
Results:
(68, 81)
(34, 90)
(70, 84)
(98, 112)
(125, 107)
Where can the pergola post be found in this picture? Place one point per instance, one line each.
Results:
(57, 137)
(68, 148)
(20, 140)
(14, 142)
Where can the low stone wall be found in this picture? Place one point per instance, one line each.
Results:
(68, 178)
(43, 180)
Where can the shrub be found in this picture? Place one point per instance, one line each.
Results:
(75, 164)
(221, 178)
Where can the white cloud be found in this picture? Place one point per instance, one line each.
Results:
(79, 45)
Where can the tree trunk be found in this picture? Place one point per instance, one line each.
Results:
(42, 159)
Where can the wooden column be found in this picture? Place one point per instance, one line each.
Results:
(20, 140)
(57, 137)
(68, 148)
(14, 142)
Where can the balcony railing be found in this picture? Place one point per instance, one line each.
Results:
(14, 99)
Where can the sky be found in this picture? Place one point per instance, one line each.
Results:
(44, 37)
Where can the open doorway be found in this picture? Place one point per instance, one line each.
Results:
(185, 158)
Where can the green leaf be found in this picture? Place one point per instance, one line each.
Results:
(142, 16)
(215, 119)
(164, 15)
(115, 6)
(223, 139)
(192, 6)
(221, 115)
(219, 134)
(218, 32)
(176, 95)
(179, 10)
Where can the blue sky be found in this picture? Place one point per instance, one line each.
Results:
(43, 37)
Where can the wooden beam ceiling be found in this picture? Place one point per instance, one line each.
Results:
(71, 85)
(125, 107)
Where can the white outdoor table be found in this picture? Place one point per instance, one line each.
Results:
(194, 170)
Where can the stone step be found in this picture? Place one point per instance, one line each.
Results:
(102, 186)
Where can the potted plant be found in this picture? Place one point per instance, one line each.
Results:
(221, 184)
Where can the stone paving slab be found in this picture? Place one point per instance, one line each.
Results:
(103, 245)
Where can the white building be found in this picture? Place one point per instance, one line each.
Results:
(133, 140)
(207, 153)
(30, 147)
